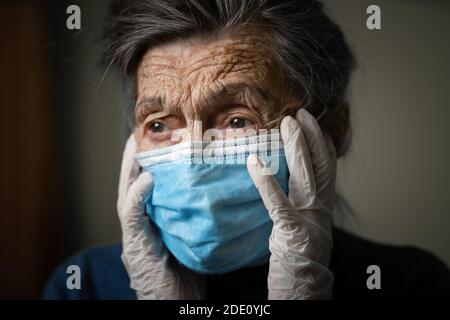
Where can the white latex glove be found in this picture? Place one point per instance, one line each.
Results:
(301, 239)
(152, 273)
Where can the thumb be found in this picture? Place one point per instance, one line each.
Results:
(270, 191)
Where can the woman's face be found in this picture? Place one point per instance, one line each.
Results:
(226, 83)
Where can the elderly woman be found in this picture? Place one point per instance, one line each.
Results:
(202, 230)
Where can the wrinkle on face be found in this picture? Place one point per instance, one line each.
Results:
(203, 79)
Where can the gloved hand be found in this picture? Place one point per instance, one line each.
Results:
(152, 273)
(301, 239)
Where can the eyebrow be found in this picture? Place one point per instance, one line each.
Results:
(154, 104)
(151, 104)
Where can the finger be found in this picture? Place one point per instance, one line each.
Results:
(129, 171)
(270, 191)
(134, 206)
(320, 154)
(302, 186)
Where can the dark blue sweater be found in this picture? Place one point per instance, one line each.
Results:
(406, 272)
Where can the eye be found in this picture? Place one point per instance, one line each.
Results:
(158, 127)
(237, 123)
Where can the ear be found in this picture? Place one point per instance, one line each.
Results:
(337, 123)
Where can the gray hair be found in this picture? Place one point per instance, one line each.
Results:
(310, 48)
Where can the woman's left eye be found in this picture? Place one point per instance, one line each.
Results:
(237, 123)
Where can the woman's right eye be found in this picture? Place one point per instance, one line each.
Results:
(158, 127)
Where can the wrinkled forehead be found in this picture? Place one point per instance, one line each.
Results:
(189, 67)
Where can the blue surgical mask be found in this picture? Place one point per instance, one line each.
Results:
(209, 213)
